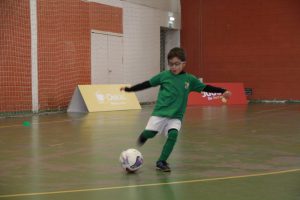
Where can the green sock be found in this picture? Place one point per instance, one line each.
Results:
(169, 145)
(144, 136)
(148, 134)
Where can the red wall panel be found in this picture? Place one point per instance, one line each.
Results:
(64, 52)
(64, 29)
(254, 42)
(106, 18)
(191, 34)
(15, 56)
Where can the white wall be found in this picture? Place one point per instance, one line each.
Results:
(34, 56)
(141, 46)
(106, 58)
(172, 40)
(142, 20)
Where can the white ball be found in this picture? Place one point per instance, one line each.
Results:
(131, 160)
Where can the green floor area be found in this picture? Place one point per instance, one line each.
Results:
(76, 155)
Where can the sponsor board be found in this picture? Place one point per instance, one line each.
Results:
(102, 98)
(238, 96)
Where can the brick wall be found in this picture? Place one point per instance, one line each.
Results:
(15, 56)
(64, 31)
(64, 46)
(255, 42)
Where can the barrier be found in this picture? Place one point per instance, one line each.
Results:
(94, 98)
(238, 96)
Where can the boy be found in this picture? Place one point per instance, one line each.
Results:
(175, 85)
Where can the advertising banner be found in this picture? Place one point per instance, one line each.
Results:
(94, 98)
(238, 95)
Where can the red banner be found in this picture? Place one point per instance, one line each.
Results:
(238, 96)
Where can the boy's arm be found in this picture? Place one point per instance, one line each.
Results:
(137, 87)
(201, 87)
(154, 81)
(209, 88)
(212, 89)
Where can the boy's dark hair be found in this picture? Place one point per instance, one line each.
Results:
(177, 52)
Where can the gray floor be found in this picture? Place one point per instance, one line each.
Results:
(75, 156)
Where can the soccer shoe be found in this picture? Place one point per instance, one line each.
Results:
(141, 141)
(163, 166)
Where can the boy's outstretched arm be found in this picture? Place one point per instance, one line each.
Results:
(225, 93)
(137, 87)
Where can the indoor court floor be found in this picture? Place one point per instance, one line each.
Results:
(224, 152)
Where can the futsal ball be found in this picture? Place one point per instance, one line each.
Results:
(131, 160)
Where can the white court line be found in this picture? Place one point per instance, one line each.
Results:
(79, 119)
(151, 184)
(39, 123)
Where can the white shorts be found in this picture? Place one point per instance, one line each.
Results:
(163, 124)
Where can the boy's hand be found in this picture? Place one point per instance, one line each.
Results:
(226, 95)
(125, 89)
(122, 89)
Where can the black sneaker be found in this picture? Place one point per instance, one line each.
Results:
(141, 141)
(163, 166)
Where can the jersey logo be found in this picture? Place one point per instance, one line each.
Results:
(186, 85)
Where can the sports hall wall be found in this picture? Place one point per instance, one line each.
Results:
(255, 42)
(63, 50)
(15, 52)
(64, 46)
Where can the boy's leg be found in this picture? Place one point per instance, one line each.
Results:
(154, 125)
(167, 150)
(144, 136)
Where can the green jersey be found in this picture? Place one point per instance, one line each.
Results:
(173, 93)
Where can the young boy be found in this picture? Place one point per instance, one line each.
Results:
(175, 86)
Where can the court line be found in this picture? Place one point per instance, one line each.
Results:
(152, 184)
(45, 122)
(78, 119)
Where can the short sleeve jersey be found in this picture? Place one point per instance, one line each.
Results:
(173, 93)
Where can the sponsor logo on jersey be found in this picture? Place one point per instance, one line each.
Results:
(186, 85)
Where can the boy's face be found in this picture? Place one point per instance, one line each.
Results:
(176, 65)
